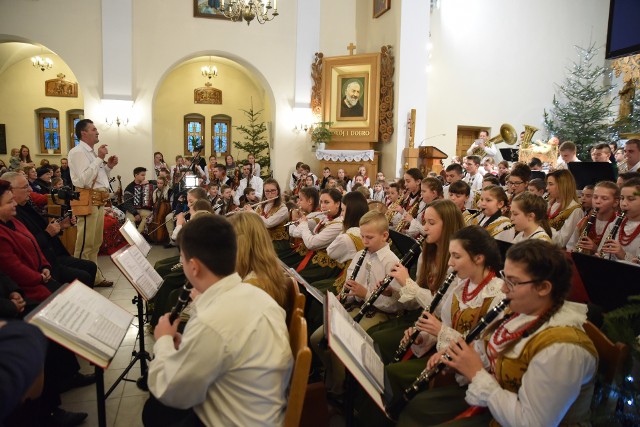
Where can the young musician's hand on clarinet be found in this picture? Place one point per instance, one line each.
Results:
(429, 323)
(165, 328)
(464, 359)
(356, 289)
(587, 244)
(407, 335)
(400, 273)
(387, 292)
(613, 247)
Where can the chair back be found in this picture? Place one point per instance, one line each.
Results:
(301, 365)
(295, 299)
(612, 356)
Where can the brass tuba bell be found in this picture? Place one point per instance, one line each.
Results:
(528, 134)
(508, 134)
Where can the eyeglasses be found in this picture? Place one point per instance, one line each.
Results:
(512, 284)
(22, 188)
(270, 191)
(515, 183)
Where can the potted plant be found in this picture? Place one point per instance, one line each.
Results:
(50, 142)
(321, 134)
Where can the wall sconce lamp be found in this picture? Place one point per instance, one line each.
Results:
(117, 112)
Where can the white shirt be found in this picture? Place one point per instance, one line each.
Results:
(278, 217)
(85, 165)
(632, 248)
(538, 233)
(475, 182)
(256, 184)
(234, 363)
(561, 238)
(416, 225)
(634, 168)
(554, 378)
(342, 249)
(375, 267)
(573, 241)
(321, 239)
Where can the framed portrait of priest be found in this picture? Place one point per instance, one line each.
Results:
(351, 96)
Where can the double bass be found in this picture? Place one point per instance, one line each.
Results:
(157, 225)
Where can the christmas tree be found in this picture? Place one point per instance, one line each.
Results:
(581, 109)
(255, 142)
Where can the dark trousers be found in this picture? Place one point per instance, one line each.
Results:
(155, 414)
(68, 269)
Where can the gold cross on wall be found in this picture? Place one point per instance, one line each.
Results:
(351, 48)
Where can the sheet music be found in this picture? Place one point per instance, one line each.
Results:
(313, 291)
(134, 238)
(80, 313)
(139, 270)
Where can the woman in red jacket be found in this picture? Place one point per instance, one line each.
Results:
(20, 256)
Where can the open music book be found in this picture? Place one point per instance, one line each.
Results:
(138, 270)
(134, 238)
(354, 347)
(84, 321)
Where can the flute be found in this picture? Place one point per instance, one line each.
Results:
(181, 304)
(342, 296)
(427, 374)
(402, 349)
(298, 221)
(406, 260)
(252, 206)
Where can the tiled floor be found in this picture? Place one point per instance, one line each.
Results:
(124, 405)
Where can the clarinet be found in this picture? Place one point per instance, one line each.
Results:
(614, 232)
(402, 349)
(183, 301)
(428, 374)
(342, 296)
(587, 228)
(406, 261)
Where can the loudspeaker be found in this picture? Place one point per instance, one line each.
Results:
(3, 140)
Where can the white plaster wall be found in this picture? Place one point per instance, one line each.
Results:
(496, 61)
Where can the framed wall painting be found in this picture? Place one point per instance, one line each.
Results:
(380, 7)
(206, 9)
(351, 96)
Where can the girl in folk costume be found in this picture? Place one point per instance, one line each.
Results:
(393, 202)
(274, 215)
(475, 256)
(255, 167)
(442, 220)
(492, 201)
(211, 170)
(624, 246)
(158, 163)
(316, 264)
(430, 190)
(362, 172)
(459, 193)
(529, 217)
(536, 368)
(564, 211)
(309, 205)
(605, 200)
(411, 201)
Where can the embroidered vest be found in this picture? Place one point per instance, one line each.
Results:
(462, 320)
(279, 232)
(509, 372)
(339, 282)
(557, 222)
(498, 226)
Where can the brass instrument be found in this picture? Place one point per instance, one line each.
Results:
(413, 212)
(342, 296)
(402, 349)
(528, 135)
(587, 228)
(391, 212)
(427, 374)
(613, 233)
(508, 134)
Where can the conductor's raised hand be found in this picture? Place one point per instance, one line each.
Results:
(164, 327)
(103, 151)
(112, 162)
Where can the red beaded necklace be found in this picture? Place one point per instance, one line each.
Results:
(593, 234)
(502, 335)
(625, 239)
(468, 296)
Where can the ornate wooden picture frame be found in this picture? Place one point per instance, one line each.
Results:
(202, 9)
(380, 7)
(342, 76)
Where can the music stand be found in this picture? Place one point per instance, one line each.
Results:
(538, 174)
(503, 247)
(590, 173)
(402, 242)
(510, 154)
(608, 283)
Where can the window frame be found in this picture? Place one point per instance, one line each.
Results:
(41, 115)
(221, 118)
(72, 115)
(193, 117)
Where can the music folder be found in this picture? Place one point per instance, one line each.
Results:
(312, 290)
(609, 284)
(138, 270)
(134, 238)
(354, 347)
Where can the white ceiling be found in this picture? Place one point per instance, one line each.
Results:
(12, 52)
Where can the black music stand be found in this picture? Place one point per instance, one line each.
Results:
(608, 283)
(510, 154)
(590, 173)
(402, 242)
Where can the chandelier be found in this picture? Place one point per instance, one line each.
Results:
(41, 63)
(209, 71)
(260, 10)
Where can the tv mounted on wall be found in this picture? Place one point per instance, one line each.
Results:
(623, 37)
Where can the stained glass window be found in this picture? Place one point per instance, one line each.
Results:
(194, 132)
(221, 138)
(49, 124)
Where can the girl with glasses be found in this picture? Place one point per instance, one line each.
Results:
(274, 215)
(536, 367)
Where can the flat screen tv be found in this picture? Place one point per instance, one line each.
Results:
(623, 37)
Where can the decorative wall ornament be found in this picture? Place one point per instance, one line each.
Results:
(316, 89)
(61, 87)
(387, 69)
(207, 95)
(630, 67)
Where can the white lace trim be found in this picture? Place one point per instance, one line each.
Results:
(482, 386)
(345, 155)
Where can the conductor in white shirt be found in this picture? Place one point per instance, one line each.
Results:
(90, 171)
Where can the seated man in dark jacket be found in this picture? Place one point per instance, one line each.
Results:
(64, 267)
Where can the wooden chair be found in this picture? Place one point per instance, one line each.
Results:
(612, 356)
(300, 373)
(295, 300)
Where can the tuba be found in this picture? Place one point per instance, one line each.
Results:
(528, 135)
(508, 134)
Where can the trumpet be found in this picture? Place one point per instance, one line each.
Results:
(342, 296)
(587, 228)
(402, 349)
(613, 233)
(253, 206)
(297, 221)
